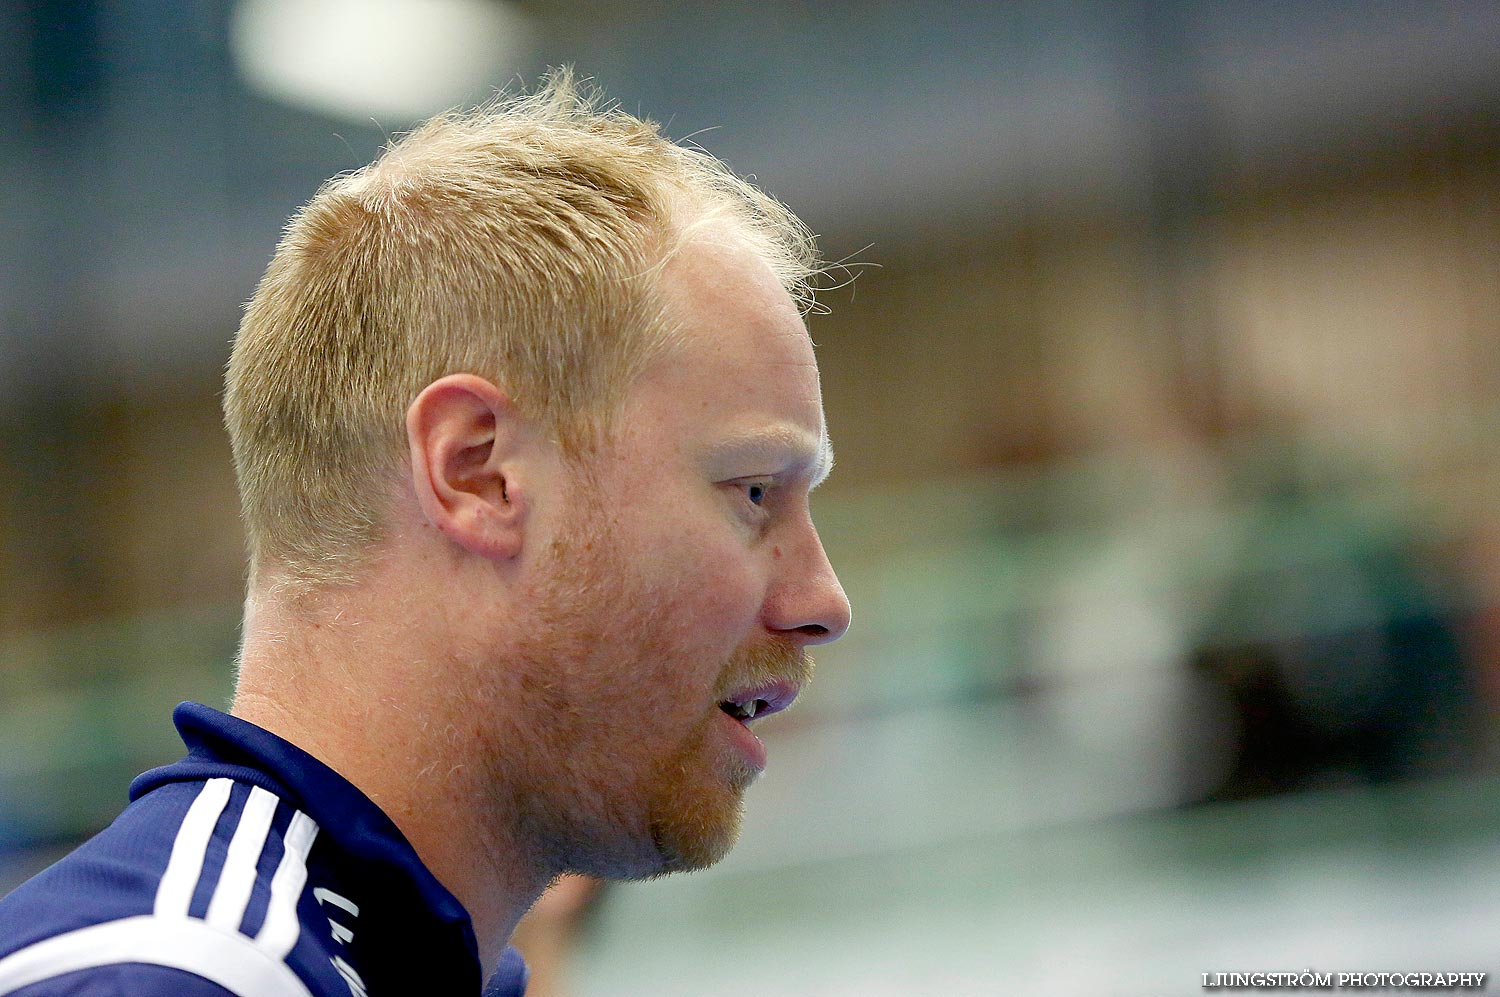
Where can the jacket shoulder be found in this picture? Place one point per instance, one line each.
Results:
(124, 980)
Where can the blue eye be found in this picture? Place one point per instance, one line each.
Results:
(756, 494)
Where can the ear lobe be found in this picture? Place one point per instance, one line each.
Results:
(464, 437)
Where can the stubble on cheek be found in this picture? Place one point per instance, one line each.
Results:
(591, 710)
(618, 766)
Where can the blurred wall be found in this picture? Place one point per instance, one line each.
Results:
(1163, 376)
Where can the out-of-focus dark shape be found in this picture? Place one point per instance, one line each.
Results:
(1338, 643)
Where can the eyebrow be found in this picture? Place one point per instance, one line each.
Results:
(774, 444)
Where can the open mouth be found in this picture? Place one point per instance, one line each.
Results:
(744, 711)
(752, 704)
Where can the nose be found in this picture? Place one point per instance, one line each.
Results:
(808, 603)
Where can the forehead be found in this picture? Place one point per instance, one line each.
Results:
(741, 367)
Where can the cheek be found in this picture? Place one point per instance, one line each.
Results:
(717, 591)
(702, 578)
(701, 612)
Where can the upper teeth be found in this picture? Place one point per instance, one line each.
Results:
(747, 710)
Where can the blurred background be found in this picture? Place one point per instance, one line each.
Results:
(1168, 494)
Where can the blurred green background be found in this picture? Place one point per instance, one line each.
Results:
(1166, 396)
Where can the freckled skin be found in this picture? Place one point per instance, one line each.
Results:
(671, 594)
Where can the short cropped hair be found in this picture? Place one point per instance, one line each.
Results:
(519, 241)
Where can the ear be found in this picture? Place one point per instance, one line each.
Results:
(466, 441)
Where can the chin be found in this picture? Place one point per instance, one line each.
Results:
(696, 822)
(691, 849)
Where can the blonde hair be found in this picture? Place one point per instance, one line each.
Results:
(519, 241)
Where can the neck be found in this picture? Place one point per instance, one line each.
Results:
(347, 687)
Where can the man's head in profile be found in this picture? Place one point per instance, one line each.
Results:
(525, 419)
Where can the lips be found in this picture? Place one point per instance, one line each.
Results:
(754, 702)
(751, 703)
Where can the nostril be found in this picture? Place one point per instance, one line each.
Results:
(813, 630)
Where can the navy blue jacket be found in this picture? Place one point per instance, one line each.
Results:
(248, 868)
